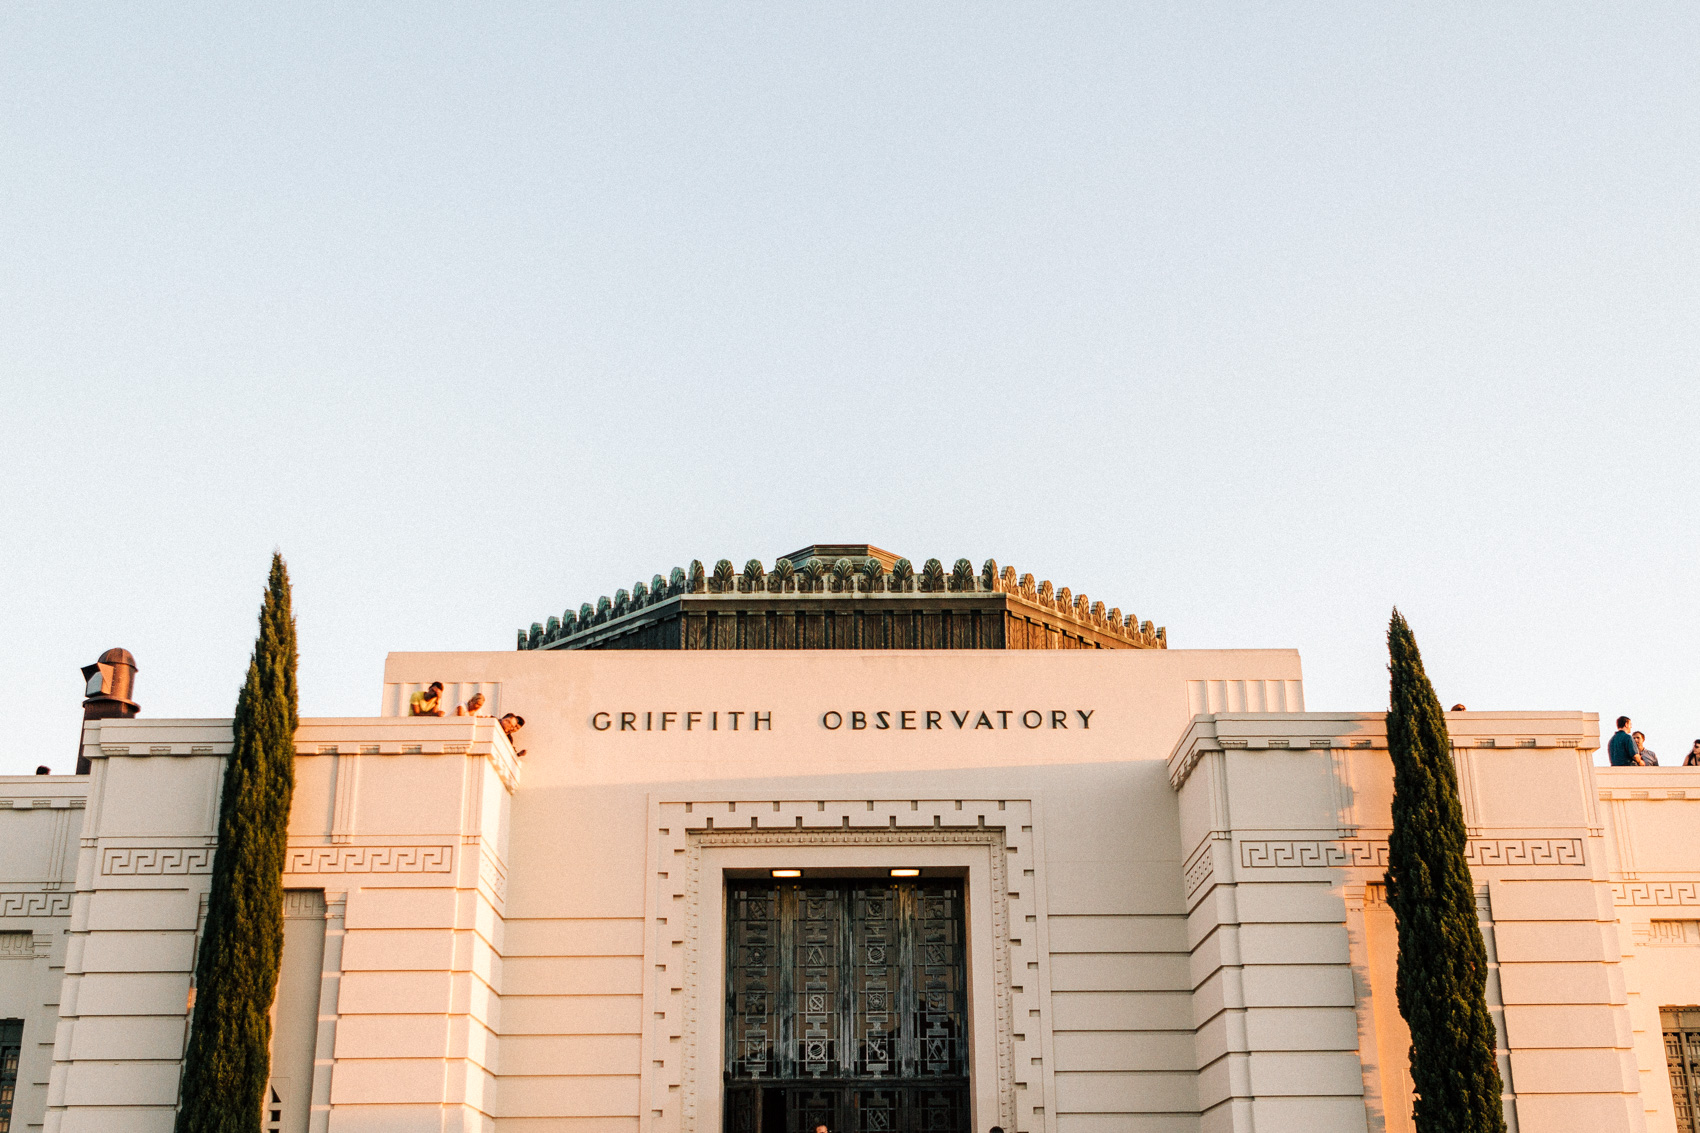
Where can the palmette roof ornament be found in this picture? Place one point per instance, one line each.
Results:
(860, 572)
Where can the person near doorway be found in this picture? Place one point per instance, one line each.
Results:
(1622, 746)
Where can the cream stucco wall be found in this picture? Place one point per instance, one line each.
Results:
(41, 822)
(1175, 919)
(1110, 1044)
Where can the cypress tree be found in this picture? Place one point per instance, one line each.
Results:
(228, 1062)
(1442, 980)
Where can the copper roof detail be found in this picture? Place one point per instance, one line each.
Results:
(850, 580)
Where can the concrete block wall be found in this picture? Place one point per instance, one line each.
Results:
(1273, 997)
(41, 820)
(403, 823)
(1652, 844)
(1565, 1005)
(1307, 799)
(400, 825)
(143, 869)
(1115, 923)
(1113, 978)
(574, 1015)
(1194, 944)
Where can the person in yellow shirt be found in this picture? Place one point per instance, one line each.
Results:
(427, 703)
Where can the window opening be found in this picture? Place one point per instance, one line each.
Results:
(1681, 1026)
(11, 1051)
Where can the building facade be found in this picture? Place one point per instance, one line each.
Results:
(1069, 891)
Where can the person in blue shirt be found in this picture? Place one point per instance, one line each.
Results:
(1622, 746)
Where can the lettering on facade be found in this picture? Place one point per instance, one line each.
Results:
(852, 720)
(681, 720)
(951, 719)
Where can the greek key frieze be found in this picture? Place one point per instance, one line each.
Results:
(370, 859)
(1525, 851)
(1656, 892)
(1332, 853)
(35, 904)
(155, 861)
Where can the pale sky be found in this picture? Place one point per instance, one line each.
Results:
(1255, 321)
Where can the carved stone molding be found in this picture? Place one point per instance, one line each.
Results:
(1201, 866)
(493, 875)
(1288, 853)
(152, 861)
(370, 859)
(304, 904)
(1656, 892)
(1526, 851)
(35, 904)
(1339, 853)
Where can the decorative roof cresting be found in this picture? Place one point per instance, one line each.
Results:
(842, 577)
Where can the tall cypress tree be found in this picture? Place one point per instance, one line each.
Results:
(1442, 982)
(229, 1057)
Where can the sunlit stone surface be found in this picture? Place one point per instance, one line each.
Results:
(1167, 873)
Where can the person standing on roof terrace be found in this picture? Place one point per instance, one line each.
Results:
(1648, 759)
(473, 707)
(1622, 746)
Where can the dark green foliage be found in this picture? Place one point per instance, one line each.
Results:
(1442, 961)
(229, 1059)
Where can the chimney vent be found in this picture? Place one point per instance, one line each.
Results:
(111, 680)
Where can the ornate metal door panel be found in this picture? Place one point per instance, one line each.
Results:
(846, 1006)
(1681, 1026)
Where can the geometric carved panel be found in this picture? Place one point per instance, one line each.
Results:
(1656, 892)
(151, 861)
(1339, 853)
(370, 859)
(35, 904)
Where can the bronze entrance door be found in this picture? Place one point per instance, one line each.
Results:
(846, 1005)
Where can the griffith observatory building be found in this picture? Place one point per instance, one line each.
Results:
(845, 841)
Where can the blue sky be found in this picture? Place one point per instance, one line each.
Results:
(1253, 322)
